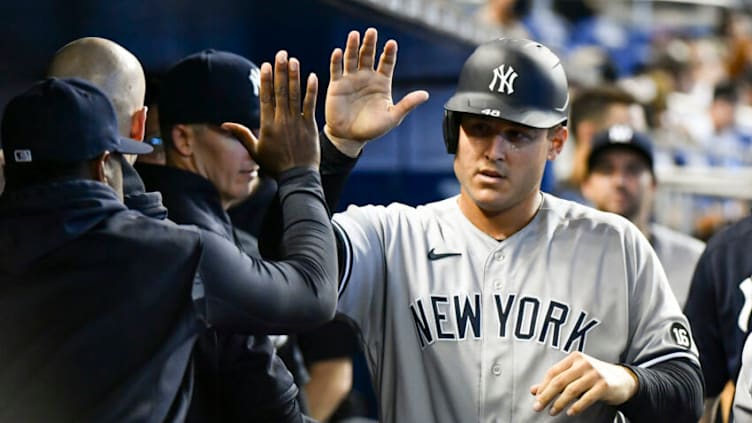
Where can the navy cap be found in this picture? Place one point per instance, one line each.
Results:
(621, 136)
(211, 87)
(62, 120)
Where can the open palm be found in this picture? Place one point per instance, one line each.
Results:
(359, 99)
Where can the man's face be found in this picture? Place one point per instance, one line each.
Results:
(615, 114)
(498, 163)
(223, 160)
(620, 182)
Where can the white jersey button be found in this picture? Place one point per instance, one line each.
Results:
(498, 256)
(497, 284)
(496, 369)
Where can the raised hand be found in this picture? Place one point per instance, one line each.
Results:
(288, 136)
(359, 104)
(582, 380)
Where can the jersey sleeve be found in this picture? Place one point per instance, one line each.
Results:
(702, 312)
(244, 294)
(659, 331)
(360, 231)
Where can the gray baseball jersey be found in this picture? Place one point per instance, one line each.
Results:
(678, 254)
(457, 326)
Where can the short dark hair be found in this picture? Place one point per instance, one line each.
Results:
(592, 104)
(725, 91)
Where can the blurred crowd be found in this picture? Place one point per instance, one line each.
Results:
(692, 83)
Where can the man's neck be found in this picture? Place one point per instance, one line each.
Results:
(501, 225)
(644, 226)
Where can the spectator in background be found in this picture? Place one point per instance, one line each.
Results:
(737, 30)
(593, 110)
(716, 132)
(621, 179)
(505, 16)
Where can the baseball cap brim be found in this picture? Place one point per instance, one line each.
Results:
(490, 105)
(130, 146)
(598, 150)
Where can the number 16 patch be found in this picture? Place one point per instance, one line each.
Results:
(681, 335)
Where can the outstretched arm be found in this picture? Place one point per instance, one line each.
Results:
(251, 295)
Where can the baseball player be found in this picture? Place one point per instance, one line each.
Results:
(620, 179)
(719, 305)
(504, 304)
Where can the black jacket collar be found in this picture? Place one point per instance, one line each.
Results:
(190, 199)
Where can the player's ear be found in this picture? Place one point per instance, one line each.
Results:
(183, 138)
(138, 124)
(557, 136)
(97, 167)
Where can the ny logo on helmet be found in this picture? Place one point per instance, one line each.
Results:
(255, 77)
(504, 78)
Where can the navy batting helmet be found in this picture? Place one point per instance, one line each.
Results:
(517, 80)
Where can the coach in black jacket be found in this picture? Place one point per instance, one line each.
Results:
(100, 305)
(239, 378)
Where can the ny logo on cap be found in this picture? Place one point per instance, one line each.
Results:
(620, 133)
(255, 77)
(504, 79)
(22, 156)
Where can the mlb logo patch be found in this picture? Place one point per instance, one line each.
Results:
(22, 156)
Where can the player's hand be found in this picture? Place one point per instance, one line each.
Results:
(288, 136)
(359, 104)
(582, 380)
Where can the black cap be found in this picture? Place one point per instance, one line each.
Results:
(210, 87)
(621, 136)
(513, 79)
(62, 120)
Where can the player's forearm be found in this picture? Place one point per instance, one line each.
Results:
(250, 295)
(669, 391)
(335, 168)
(331, 381)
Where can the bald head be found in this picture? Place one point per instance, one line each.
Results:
(113, 69)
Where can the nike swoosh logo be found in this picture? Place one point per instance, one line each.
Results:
(436, 256)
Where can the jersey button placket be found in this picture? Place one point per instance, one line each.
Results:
(496, 369)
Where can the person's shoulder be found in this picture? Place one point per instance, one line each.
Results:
(568, 191)
(397, 209)
(732, 236)
(399, 216)
(574, 213)
(153, 233)
(573, 220)
(678, 240)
